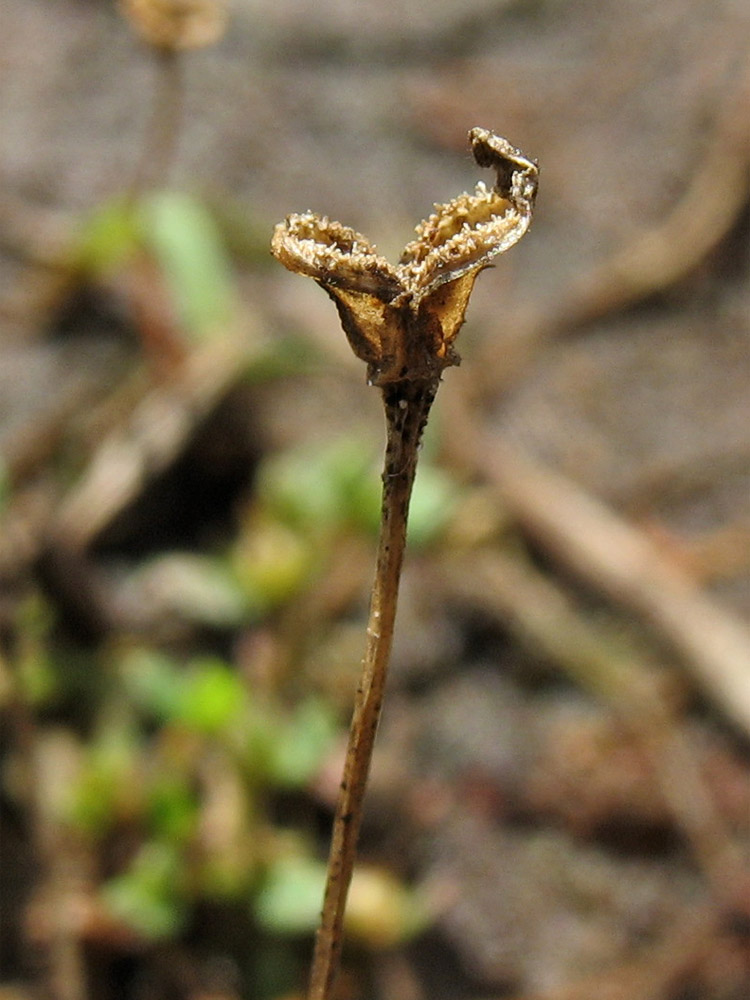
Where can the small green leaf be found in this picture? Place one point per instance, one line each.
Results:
(107, 788)
(301, 743)
(284, 355)
(271, 562)
(213, 697)
(188, 245)
(145, 896)
(109, 238)
(434, 501)
(172, 809)
(152, 681)
(319, 489)
(36, 676)
(289, 899)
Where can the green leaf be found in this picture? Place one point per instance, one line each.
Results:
(434, 501)
(188, 246)
(289, 899)
(213, 697)
(319, 489)
(107, 787)
(301, 743)
(109, 238)
(36, 676)
(153, 682)
(172, 808)
(284, 355)
(145, 896)
(270, 563)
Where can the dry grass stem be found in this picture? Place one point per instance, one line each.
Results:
(153, 436)
(165, 123)
(617, 559)
(541, 614)
(624, 564)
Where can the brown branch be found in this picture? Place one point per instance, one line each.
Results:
(622, 562)
(149, 440)
(614, 557)
(163, 131)
(540, 613)
(673, 248)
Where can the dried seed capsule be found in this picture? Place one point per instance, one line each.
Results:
(176, 24)
(402, 320)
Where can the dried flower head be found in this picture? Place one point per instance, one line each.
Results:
(403, 320)
(177, 24)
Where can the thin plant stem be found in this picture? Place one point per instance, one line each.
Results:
(407, 406)
(163, 130)
(401, 321)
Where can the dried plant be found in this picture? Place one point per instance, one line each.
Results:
(169, 28)
(176, 24)
(402, 322)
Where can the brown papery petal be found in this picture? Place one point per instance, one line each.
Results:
(466, 234)
(462, 236)
(334, 255)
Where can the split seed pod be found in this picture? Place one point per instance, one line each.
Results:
(402, 320)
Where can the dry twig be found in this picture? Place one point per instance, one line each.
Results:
(622, 562)
(540, 613)
(617, 559)
(151, 438)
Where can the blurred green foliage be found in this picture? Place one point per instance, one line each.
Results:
(147, 897)
(318, 492)
(184, 762)
(304, 502)
(181, 756)
(290, 895)
(182, 237)
(35, 675)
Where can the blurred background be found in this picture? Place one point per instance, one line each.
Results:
(189, 499)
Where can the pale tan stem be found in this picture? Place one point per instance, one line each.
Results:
(407, 406)
(160, 144)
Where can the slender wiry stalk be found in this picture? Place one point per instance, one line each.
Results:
(407, 406)
(169, 29)
(160, 143)
(402, 322)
